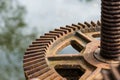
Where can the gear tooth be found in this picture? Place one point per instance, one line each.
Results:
(44, 39)
(78, 26)
(53, 34)
(32, 48)
(54, 37)
(37, 42)
(34, 70)
(98, 27)
(35, 64)
(42, 44)
(82, 25)
(33, 57)
(48, 33)
(65, 31)
(63, 28)
(72, 27)
(28, 63)
(34, 51)
(98, 23)
(66, 28)
(32, 45)
(87, 24)
(57, 32)
(36, 47)
(93, 24)
(38, 71)
(85, 28)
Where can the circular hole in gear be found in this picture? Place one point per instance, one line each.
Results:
(69, 72)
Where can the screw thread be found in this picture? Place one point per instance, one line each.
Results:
(110, 29)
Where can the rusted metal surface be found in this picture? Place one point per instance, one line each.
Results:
(113, 73)
(110, 29)
(42, 60)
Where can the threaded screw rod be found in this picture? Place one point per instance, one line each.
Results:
(110, 29)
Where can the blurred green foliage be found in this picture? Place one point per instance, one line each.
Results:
(13, 39)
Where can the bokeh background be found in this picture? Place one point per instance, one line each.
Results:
(21, 21)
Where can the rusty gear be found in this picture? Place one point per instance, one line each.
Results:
(94, 58)
(41, 60)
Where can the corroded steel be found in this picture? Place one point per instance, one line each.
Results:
(113, 73)
(42, 60)
(110, 29)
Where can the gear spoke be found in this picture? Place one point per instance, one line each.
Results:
(64, 59)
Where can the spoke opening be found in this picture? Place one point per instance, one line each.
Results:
(73, 48)
(70, 72)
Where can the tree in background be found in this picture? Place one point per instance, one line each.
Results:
(13, 40)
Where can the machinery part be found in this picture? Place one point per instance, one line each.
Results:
(110, 29)
(42, 61)
(113, 74)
